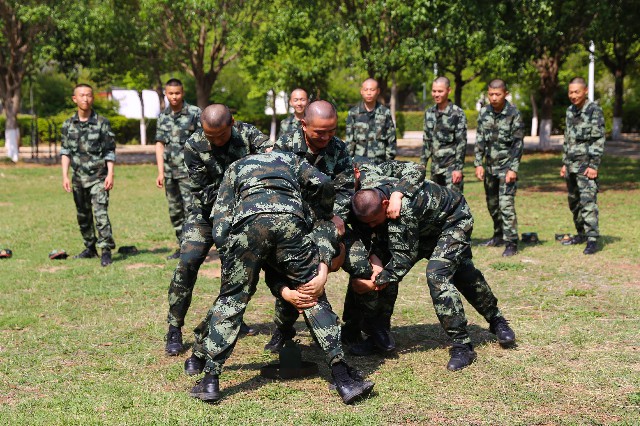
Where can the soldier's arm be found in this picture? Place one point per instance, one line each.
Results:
(427, 137)
(596, 147)
(408, 176)
(65, 159)
(403, 246)
(480, 143)
(460, 135)
(161, 138)
(317, 189)
(517, 146)
(198, 177)
(258, 141)
(108, 141)
(344, 183)
(565, 145)
(221, 214)
(349, 139)
(390, 138)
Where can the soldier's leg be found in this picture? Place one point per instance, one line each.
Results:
(573, 198)
(492, 193)
(588, 189)
(285, 315)
(357, 265)
(176, 205)
(507, 207)
(100, 202)
(471, 283)
(439, 179)
(82, 199)
(324, 326)
(187, 199)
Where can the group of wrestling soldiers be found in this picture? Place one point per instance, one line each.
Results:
(311, 203)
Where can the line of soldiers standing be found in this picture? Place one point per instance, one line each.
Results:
(394, 220)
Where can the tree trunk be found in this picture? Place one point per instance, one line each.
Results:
(393, 102)
(534, 118)
(11, 104)
(457, 94)
(274, 121)
(617, 106)
(547, 67)
(204, 85)
(143, 124)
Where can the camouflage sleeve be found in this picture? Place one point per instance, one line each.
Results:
(390, 138)
(596, 147)
(403, 246)
(460, 135)
(356, 262)
(198, 177)
(161, 129)
(565, 145)
(325, 237)
(222, 213)
(480, 142)
(427, 137)
(65, 148)
(344, 183)
(349, 139)
(319, 192)
(517, 146)
(281, 131)
(108, 141)
(258, 141)
(409, 175)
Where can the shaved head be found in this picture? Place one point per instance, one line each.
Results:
(367, 202)
(298, 92)
(320, 109)
(369, 81)
(497, 83)
(578, 80)
(216, 115)
(442, 80)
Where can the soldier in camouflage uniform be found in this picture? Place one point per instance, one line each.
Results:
(259, 218)
(445, 137)
(436, 224)
(207, 154)
(176, 123)
(298, 100)
(88, 147)
(583, 147)
(371, 134)
(498, 150)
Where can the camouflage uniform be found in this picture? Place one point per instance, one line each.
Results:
(371, 135)
(206, 165)
(445, 142)
(173, 130)
(288, 125)
(436, 224)
(583, 147)
(499, 145)
(258, 218)
(90, 145)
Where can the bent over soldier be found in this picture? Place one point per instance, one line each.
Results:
(88, 147)
(258, 218)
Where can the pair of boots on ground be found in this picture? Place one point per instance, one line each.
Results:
(91, 252)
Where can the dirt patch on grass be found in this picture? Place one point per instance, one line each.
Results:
(141, 265)
(52, 269)
(210, 273)
(5, 204)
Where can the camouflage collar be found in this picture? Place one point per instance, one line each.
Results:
(363, 110)
(93, 118)
(301, 147)
(586, 105)
(505, 110)
(447, 110)
(183, 111)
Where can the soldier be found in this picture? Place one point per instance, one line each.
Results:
(317, 143)
(207, 154)
(499, 147)
(88, 146)
(176, 123)
(445, 137)
(298, 100)
(371, 134)
(583, 147)
(435, 224)
(258, 218)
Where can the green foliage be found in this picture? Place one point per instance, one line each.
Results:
(506, 266)
(576, 292)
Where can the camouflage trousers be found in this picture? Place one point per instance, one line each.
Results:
(280, 241)
(90, 202)
(445, 179)
(196, 242)
(500, 197)
(178, 192)
(583, 203)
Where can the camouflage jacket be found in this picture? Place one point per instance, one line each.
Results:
(288, 125)
(89, 145)
(333, 161)
(499, 139)
(445, 138)
(276, 182)
(173, 130)
(206, 164)
(402, 176)
(583, 138)
(371, 134)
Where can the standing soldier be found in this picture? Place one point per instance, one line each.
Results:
(445, 137)
(207, 154)
(499, 147)
(371, 135)
(176, 123)
(582, 151)
(88, 146)
(298, 100)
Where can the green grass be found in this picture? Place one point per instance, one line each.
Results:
(80, 344)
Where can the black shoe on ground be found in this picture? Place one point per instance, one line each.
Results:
(350, 335)
(575, 240)
(174, 341)
(175, 255)
(349, 388)
(495, 241)
(510, 250)
(372, 345)
(207, 389)
(246, 330)
(592, 247)
(194, 365)
(88, 253)
(461, 356)
(105, 260)
(277, 340)
(383, 339)
(500, 327)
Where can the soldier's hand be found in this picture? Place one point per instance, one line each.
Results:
(511, 176)
(160, 181)
(480, 172)
(376, 265)
(297, 299)
(339, 223)
(66, 184)
(395, 204)
(591, 173)
(563, 171)
(362, 286)
(456, 176)
(108, 183)
(315, 287)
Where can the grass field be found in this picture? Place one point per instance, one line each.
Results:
(81, 344)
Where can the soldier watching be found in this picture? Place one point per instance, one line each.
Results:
(89, 148)
(298, 100)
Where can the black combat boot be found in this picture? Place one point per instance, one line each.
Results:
(591, 248)
(105, 260)
(495, 241)
(461, 356)
(207, 389)
(174, 341)
(500, 327)
(88, 253)
(175, 255)
(246, 330)
(277, 340)
(194, 365)
(575, 240)
(350, 335)
(349, 388)
(511, 249)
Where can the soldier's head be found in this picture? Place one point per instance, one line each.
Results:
(370, 207)
(440, 89)
(299, 100)
(174, 92)
(578, 91)
(217, 123)
(319, 124)
(369, 91)
(497, 94)
(83, 97)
